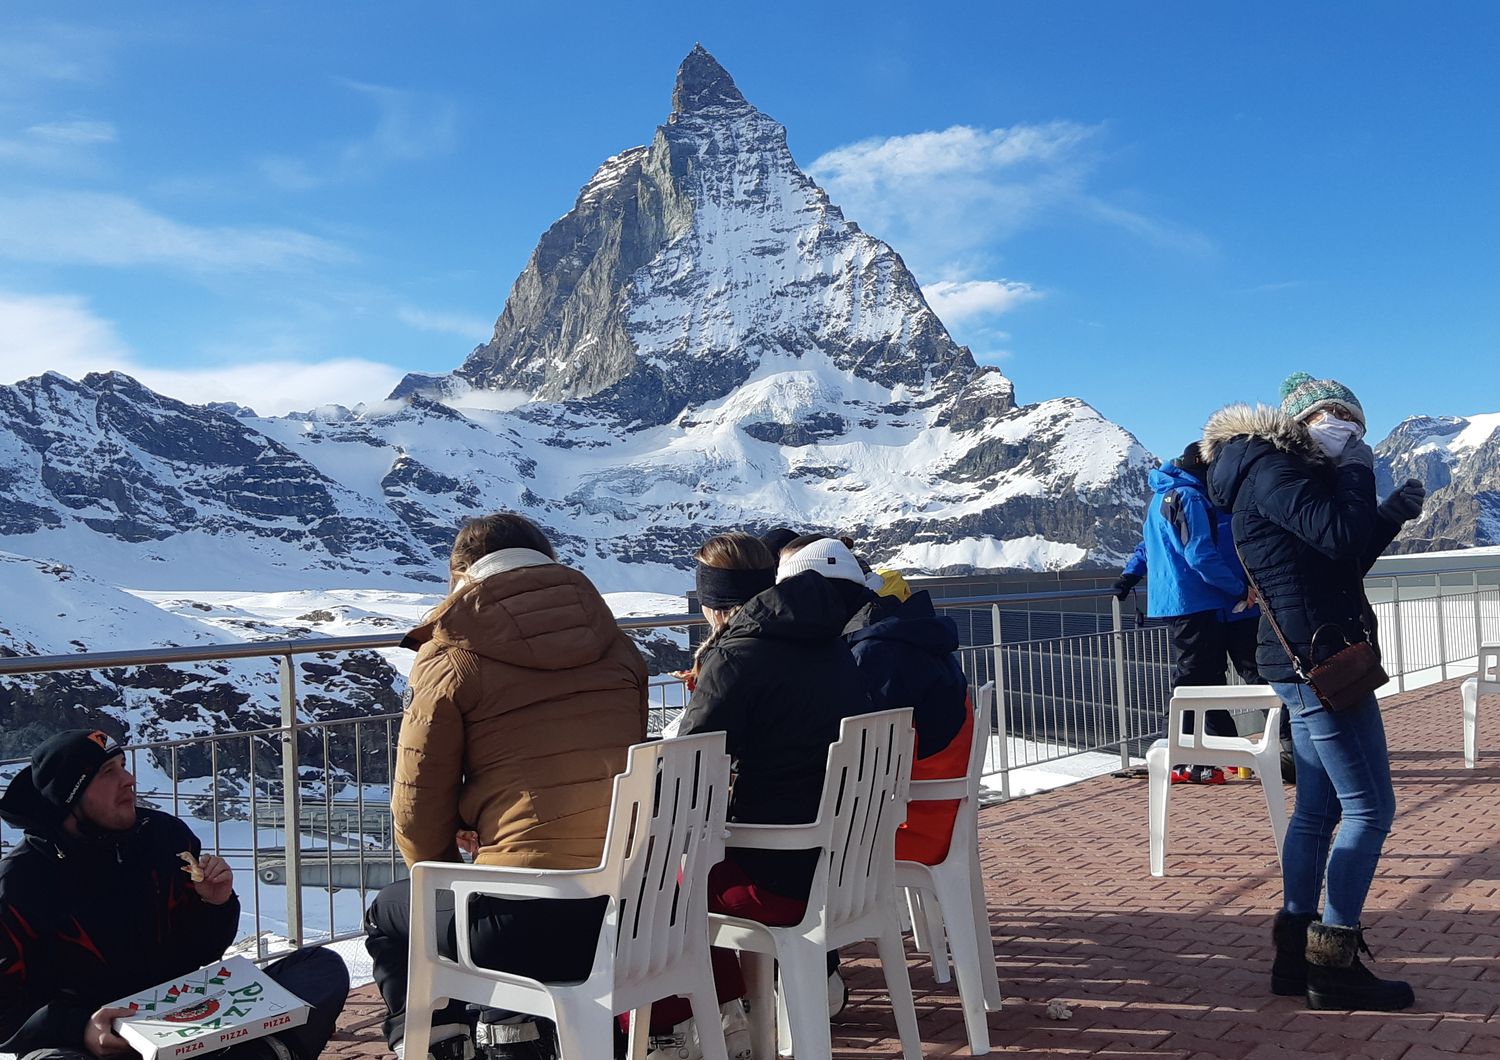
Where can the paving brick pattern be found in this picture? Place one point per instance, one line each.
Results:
(1179, 966)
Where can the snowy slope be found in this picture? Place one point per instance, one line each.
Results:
(1458, 458)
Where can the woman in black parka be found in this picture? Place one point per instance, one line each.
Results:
(1299, 482)
(775, 676)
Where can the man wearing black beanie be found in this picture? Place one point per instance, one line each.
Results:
(99, 902)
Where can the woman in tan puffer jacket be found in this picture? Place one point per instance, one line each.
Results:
(522, 702)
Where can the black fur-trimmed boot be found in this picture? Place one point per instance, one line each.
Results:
(1336, 979)
(1289, 970)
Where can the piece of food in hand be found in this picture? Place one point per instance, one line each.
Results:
(191, 866)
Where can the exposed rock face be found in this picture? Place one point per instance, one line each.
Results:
(1458, 459)
(685, 263)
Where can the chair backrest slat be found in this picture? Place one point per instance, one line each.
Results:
(1489, 668)
(864, 795)
(666, 833)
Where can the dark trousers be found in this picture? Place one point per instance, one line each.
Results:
(1200, 649)
(551, 940)
(316, 975)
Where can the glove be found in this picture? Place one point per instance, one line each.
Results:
(1358, 453)
(1405, 503)
(1126, 583)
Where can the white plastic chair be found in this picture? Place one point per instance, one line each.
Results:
(666, 824)
(948, 910)
(1198, 748)
(853, 894)
(1485, 683)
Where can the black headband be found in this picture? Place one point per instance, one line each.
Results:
(721, 589)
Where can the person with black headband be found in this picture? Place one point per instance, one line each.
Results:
(775, 676)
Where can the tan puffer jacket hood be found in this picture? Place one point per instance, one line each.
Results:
(523, 699)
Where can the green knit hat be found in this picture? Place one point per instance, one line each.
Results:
(1302, 395)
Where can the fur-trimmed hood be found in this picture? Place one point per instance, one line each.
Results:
(1262, 421)
(1237, 436)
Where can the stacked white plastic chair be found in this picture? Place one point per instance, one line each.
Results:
(1198, 748)
(853, 894)
(1485, 683)
(666, 824)
(948, 910)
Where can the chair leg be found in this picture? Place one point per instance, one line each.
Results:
(640, 1033)
(1268, 771)
(1159, 783)
(898, 985)
(418, 1038)
(804, 989)
(988, 965)
(584, 1033)
(953, 896)
(934, 931)
(1470, 692)
(760, 980)
(705, 1002)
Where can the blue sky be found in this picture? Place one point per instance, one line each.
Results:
(1158, 207)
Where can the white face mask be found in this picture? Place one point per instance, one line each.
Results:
(1332, 434)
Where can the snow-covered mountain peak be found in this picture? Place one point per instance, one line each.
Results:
(684, 264)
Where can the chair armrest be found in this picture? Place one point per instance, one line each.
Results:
(504, 881)
(776, 836)
(939, 790)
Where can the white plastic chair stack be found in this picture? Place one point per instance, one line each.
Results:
(666, 824)
(1198, 748)
(853, 895)
(1485, 683)
(948, 910)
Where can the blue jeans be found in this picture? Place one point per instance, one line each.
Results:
(1343, 771)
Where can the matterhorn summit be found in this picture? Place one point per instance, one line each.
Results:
(687, 264)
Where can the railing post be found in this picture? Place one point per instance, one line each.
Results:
(291, 799)
(1400, 642)
(1442, 632)
(1002, 724)
(1478, 621)
(1117, 651)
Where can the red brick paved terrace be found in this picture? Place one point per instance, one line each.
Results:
(1178, 967)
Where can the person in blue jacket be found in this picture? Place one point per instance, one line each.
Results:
(1197, 588)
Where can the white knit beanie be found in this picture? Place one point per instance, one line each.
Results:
(829, 557)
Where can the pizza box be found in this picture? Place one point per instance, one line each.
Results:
(226, 1003)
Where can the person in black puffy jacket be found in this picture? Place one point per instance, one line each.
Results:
(775, 676)
(1299, 483)
(95, 906)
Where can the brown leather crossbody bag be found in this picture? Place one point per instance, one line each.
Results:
(1347, 677)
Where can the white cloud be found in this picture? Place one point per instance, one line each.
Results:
(91, 228)
(60, 333)
(949, 196)
(409, 126)
(955, 300)
(52, 145)
(475, 329)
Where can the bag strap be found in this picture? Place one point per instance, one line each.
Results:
(1265, 606)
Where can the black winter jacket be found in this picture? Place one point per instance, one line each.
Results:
(905, 652)
(777, 681)
(88, 920)
(1308, 531)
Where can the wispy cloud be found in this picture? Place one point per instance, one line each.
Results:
(959, 300)
(948, 197)
(409, 126)
(78, 132)
(51, 53)
(61, 333)
(473, 328)
(91, 228)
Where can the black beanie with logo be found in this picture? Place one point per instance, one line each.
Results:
(63, 765)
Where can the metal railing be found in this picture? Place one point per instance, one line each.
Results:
(1100, 686)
